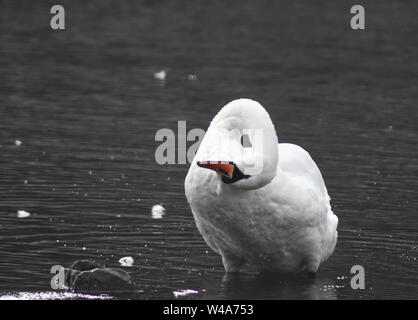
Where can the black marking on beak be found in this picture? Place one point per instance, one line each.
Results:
(236, 176)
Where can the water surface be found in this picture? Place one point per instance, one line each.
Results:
(86, 107)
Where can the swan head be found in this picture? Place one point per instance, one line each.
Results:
(240, 146)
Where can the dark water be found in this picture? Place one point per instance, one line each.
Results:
(86, 107)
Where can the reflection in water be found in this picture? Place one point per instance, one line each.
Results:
(272, 286)
(85, 106)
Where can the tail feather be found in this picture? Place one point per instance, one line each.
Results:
(331, 235)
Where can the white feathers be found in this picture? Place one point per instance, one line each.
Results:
(126, 261)
(22, 214)
(157, 211)
(277, 220)
(160, 75)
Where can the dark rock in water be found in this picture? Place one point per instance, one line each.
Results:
(88, 276)
(85, 265)
(76, 268)
(103, 280)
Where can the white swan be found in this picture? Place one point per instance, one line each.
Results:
(266, 203)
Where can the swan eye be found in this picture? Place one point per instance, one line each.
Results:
(245, 141)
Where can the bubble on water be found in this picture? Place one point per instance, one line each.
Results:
(18, 142)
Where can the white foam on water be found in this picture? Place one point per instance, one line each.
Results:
(186, 292)
(51, 295)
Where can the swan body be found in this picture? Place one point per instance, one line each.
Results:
(276, 217)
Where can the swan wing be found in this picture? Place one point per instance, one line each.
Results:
(296, 161)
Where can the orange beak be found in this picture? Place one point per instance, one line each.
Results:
(221, 167)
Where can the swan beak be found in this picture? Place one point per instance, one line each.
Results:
(223, 168)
